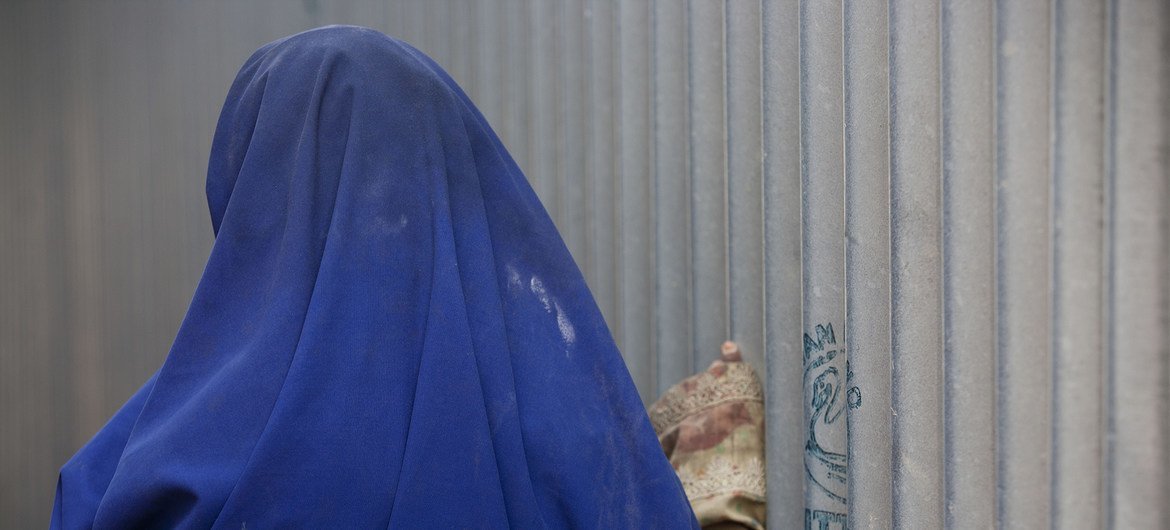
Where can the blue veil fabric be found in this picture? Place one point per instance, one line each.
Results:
(389, 331)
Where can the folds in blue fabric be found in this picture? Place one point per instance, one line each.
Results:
(389, 331)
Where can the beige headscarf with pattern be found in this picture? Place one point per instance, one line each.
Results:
(711, 426)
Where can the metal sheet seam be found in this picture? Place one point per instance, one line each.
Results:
(940, 243)
(890, 86)
(726, 138)
(652, 72)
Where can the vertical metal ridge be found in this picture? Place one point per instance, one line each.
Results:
(1023, 242)
(725, 44)
(516, 132)
(556, 108)
(707, 168)
(614, 237)
(940, 245)
(997, 255)
(867, 261)
(783, 285)
(1138, 340)
(1077, 268)
(539, 110)
(82, 358)
(635, 239)
(526, 96)
(650, 210)
(488, 91)
(653, 198)
(602, 159)
(1164, 26)
(1108, 474)
(588, 258)
(966, 69)
(1055, 69)
(460, 40)
(18, 416)
(743, 130)
(672, 330)
(725, 63)
(890, 133)
(620, 100)
(572, 110)
(823, 249)
(915, 261)
(432, 38)
(10, 270)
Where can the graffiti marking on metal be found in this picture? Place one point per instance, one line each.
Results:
(827, 467)
(822, 520)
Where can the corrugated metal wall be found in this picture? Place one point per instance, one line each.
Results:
(972, 195)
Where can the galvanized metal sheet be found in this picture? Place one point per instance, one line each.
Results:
(745, 213)
(916, 298)
(824, 370)
(572, 111)
(635, 241)
(968, 232)
(867, 263)
(672, 258)
(708, 176)
(601, 161)
(784, 349)
(1078, 261)
(1136, 173)
(1023, 268)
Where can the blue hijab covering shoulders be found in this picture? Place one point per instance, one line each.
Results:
(389, 331)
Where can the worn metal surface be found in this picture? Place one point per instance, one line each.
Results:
(867, 258)
(1137, 342)
(822, 193)
(1078, 265)
(916, 307)
(968, 245)
(783, 285)
(974, 195)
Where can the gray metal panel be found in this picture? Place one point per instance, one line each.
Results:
(1137, 308)
(1022, 263)
(635, 235)
(823, 254)
(461, 35)
(745, 214)
(434, 39)
(28, 348)
(916, 259)
(968, 264)
(573, 110)
(489, 72)
(672, 333)
(515, 130)
(867, 262)
(1078, 79)
(540, 110)
(708, 178)
(601, 165)
(408, 22)
(783, 385)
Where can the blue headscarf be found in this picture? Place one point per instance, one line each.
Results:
(389, 330)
